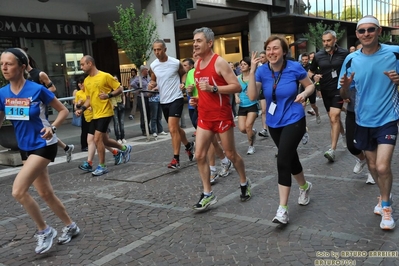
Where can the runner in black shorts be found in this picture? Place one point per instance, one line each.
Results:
(48, 152)
(98, 100)
(166, 76)
(37, 140)
(173, 109)
(312, 97)
(327, 64)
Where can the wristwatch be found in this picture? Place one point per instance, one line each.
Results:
(215, 89)
(54, 129)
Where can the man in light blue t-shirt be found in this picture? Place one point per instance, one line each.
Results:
(376, 107)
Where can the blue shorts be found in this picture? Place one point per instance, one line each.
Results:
(368, 138)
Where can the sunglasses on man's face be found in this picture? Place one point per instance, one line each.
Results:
(369, 30)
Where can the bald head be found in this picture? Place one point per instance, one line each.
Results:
(89, 58)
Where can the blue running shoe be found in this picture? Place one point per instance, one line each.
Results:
(100, 170)
(85, 166)
(118, 158)
(126, 153)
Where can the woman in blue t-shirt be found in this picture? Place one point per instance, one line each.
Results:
(23, 102)
(247, 109)
(285, 115)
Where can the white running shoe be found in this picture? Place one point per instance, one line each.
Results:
(359, 165)
(281, 216)
(387, 221)
(305, 138)
(45, 241)
(225, 171)
(330, 155)
(68, 153)
(304, 195)
(214, 176)
(370, 179)
(263, 133)
(251, 150)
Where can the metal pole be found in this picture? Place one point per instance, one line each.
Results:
(144, 110)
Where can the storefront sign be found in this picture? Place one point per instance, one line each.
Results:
(45, 28)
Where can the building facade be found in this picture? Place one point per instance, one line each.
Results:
(57, 32)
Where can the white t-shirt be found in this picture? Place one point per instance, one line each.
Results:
(168, 79)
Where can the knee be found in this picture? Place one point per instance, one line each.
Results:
(173, 129)
(18, 194)
(334, 118)
(382, 169)
(200, 156)
(232, 156)
(248, 129)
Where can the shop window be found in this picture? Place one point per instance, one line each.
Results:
(232, 46)
(60, 59)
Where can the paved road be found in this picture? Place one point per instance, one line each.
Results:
(140, 212)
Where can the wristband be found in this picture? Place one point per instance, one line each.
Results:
(110, 95)
(49, 85)
(83, 108)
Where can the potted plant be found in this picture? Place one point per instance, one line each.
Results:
(7, 133)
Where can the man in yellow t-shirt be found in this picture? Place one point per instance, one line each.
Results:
(100, 87)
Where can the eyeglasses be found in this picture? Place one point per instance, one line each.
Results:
(369, 30)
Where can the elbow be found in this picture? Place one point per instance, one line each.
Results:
(63, 113)
(237, 88)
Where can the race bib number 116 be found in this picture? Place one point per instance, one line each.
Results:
(17, 108)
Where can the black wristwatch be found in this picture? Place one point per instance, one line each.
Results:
(215, 89)
(54, 129)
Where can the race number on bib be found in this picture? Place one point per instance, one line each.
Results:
(17, 108)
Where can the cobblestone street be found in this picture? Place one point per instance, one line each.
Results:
(140, 212)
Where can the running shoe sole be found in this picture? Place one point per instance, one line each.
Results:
(277, 221)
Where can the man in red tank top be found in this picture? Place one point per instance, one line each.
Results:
(215, 81)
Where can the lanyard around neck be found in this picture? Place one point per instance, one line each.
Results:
(276, 80)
